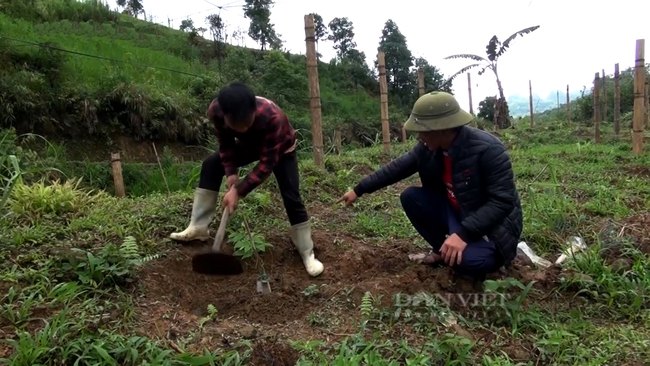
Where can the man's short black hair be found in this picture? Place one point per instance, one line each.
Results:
(237, 100)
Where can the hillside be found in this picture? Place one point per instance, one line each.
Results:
(74, 69)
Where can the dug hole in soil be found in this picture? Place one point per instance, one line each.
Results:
(170, 281)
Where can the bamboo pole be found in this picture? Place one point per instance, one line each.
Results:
(639, 97)
(530, 102)
(314, 91)
(647, 104)
(118, 180)
(421, 91)
(597, 108)
(469, 90)
(568, 106)
(617, 100)
(603, 93)
(383, 90)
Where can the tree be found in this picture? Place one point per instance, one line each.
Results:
(217, 27)
(399, 61)
(352, 61)
(261, 29)
(434, 80)
(219, 35)
(320, 30)
(342, 34)
(486, 108)
(356, 68)
(494, 50)
(133, 7)
(187, 26)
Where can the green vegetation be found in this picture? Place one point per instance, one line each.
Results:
(127, 77)
(91, 277)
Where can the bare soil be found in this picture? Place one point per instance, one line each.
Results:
(172, 298)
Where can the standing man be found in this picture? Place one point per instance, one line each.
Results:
(251, 128)
(467, 208)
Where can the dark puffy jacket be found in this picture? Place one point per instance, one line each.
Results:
(483, 184)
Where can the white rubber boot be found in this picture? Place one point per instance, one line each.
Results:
(205, 204)
(300, 235)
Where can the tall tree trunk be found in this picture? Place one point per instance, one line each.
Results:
(501, 112)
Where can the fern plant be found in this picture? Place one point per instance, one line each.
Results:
(367, 304)
(130, 252)
(114, 265)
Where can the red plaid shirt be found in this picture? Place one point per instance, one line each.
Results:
(268, 138)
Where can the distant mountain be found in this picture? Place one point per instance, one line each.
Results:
(518, 104)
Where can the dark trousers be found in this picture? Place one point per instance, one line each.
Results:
(285, 172)
(433, 217)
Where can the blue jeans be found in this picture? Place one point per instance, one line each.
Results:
(433, 217)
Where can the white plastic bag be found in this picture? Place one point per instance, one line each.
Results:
(575, 245)
(532, 256)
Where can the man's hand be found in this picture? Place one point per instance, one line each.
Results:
(348, 198)
(231, 181)
(231, 199)
(452, 250)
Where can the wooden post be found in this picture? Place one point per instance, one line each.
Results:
(568, 106)
(597, 108)
(421, 91)
(383, 90)
(639, 97)
(530, 102)
(118, 181)
(469, 90)
(603, 93)
(617, 100)
(647, 104)
(314, 91)
(557, 95)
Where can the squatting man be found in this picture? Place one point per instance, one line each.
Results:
(250, 128)
(468, 208)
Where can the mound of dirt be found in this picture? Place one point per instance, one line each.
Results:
(385, 270)
(173, 299)
(363, 268)
(273, 354)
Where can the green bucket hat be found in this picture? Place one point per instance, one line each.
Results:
(436, 111)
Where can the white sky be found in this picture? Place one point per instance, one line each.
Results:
(576, 38)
